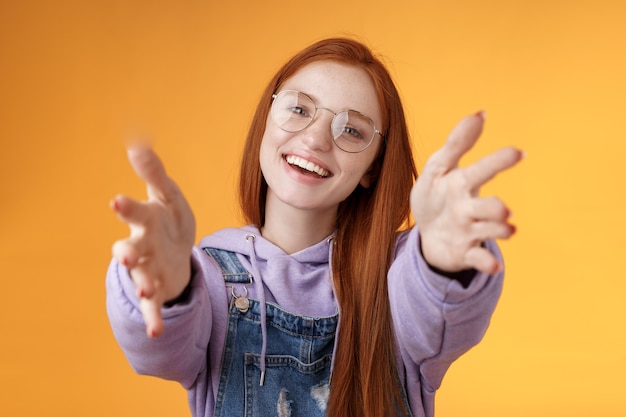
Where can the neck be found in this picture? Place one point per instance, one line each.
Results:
(293, 229)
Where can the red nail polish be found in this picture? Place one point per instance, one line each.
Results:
(482, 114)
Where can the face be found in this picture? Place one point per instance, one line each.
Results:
(305, 170)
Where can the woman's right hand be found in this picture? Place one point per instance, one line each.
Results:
(162, 233)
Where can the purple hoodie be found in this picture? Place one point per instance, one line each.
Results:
(435, 318)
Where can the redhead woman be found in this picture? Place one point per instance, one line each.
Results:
(332, 300)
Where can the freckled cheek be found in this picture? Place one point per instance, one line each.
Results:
(274, 138)
(270, 157)
(355, 167)
(268, 148)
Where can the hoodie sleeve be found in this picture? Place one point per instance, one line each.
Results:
(179, 354)
(435, 318)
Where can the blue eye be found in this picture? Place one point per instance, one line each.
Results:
(353, 132)
(299, 110)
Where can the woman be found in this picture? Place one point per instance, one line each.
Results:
(322, 305)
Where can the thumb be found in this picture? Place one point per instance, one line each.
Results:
(148, 166)
(461, 139)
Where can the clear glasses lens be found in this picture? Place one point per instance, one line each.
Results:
(293, 111)
(352, 131)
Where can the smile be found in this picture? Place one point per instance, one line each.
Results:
(306, 165)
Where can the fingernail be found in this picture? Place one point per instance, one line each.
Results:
(124, 261)
(114, 204)
(482, 114)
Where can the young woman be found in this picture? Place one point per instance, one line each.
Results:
(329, 302)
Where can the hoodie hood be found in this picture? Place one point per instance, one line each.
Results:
(300, 282)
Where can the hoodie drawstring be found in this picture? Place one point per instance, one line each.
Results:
(258, 284)
(260, 290)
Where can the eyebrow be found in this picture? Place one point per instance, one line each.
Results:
(316, 100)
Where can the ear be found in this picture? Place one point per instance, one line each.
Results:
(370, 175)
(366, 180)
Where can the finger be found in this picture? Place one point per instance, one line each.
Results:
(126, 252)
(149, 168)
(489, 166)
(492, 230)
(488, 208)
(151, 312)
(129, 210)
(481, 259)
(146, 281)
(461, 140)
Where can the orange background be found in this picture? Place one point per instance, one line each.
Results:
(77, 78)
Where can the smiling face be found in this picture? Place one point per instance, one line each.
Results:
(305, 170)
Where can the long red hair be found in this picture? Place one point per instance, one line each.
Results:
(365, 377)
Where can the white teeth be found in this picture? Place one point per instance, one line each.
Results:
(308, 165)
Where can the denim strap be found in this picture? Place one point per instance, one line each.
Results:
(232, 270)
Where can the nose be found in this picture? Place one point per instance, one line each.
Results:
(318, 135)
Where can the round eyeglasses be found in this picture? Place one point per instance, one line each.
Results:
(352, 131)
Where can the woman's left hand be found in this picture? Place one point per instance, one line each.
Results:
(453, 220)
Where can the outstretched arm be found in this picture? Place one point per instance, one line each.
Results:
(162, 233)
(453, 220)
(438, 319)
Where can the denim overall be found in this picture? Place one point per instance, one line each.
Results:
(297, 359)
